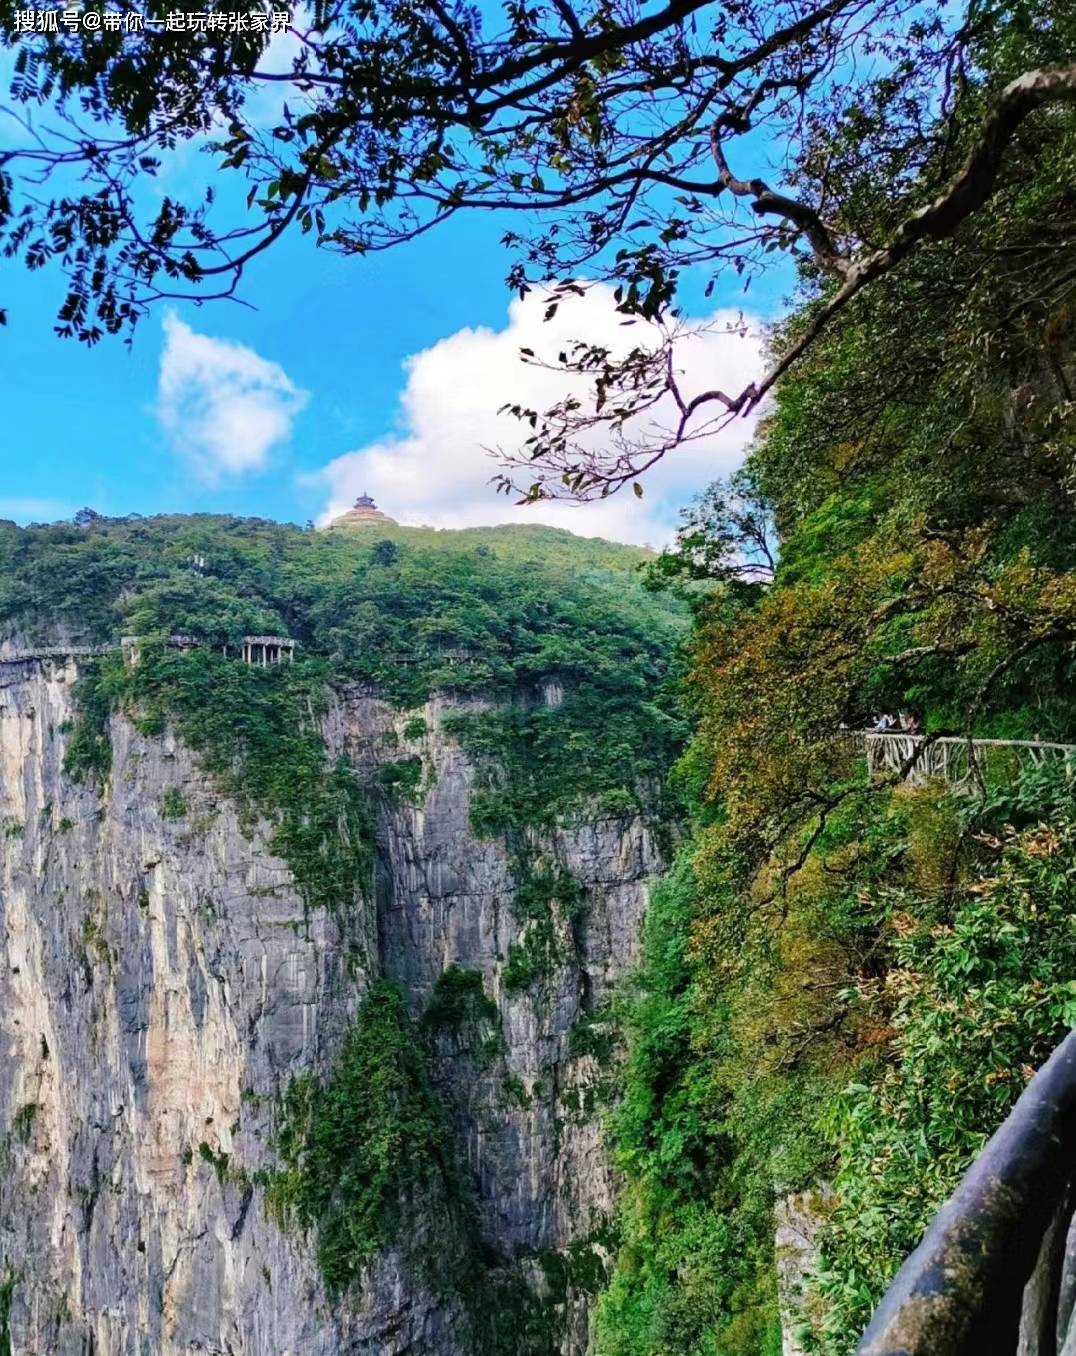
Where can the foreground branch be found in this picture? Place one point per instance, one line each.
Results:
(966, 193)
(560, 450)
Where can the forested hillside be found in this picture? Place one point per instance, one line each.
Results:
(336, 935)
(497, 612)
(847, 984)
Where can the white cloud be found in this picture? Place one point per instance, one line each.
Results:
(223, 407)
(436, 469)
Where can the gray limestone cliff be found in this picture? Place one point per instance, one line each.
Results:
(161, 982)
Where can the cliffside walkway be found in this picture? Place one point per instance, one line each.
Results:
(58, 652)
(955, 759)
(256, 650)
(259, 651)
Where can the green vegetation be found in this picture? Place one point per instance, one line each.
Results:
(530, 959)
(522, 605)
(515, 1092)
(93, 937)
(843, 981)
(498, 612)
(604, 750)
(458, 997)
(522, 1318)
(368, 1151)
(22, 1124)
(173, 804)
(594, 1036)
(980, 990)
(216, 1158)
(256, 731)
(402, 781)
(693, 1261)
(7, 1291)
(548, 901)
(88, 756)
(867, 1021)
(360, 1146)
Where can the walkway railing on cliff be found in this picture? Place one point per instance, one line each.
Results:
(252, 649)
(957, 760)
(996, 1273)
(56, 652)
(259, 651)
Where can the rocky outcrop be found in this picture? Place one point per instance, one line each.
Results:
(799, 1219)
(161, 981)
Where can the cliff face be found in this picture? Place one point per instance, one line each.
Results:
(161, 982)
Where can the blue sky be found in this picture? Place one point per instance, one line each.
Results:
(382, 372)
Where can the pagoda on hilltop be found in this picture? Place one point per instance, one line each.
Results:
(363, 513)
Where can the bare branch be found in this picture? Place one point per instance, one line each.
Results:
(966, 192)
(765, 202)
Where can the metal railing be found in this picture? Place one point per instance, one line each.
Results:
(56, 652)
(958, 760)
(259, 650)
(995, 1274)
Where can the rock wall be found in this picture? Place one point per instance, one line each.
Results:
(799, 1219)
(161, 982)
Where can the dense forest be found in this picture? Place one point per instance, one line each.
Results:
(847, 984)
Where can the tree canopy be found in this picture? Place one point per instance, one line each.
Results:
(634, 142)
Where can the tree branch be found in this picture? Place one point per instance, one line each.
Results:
(966, 192)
